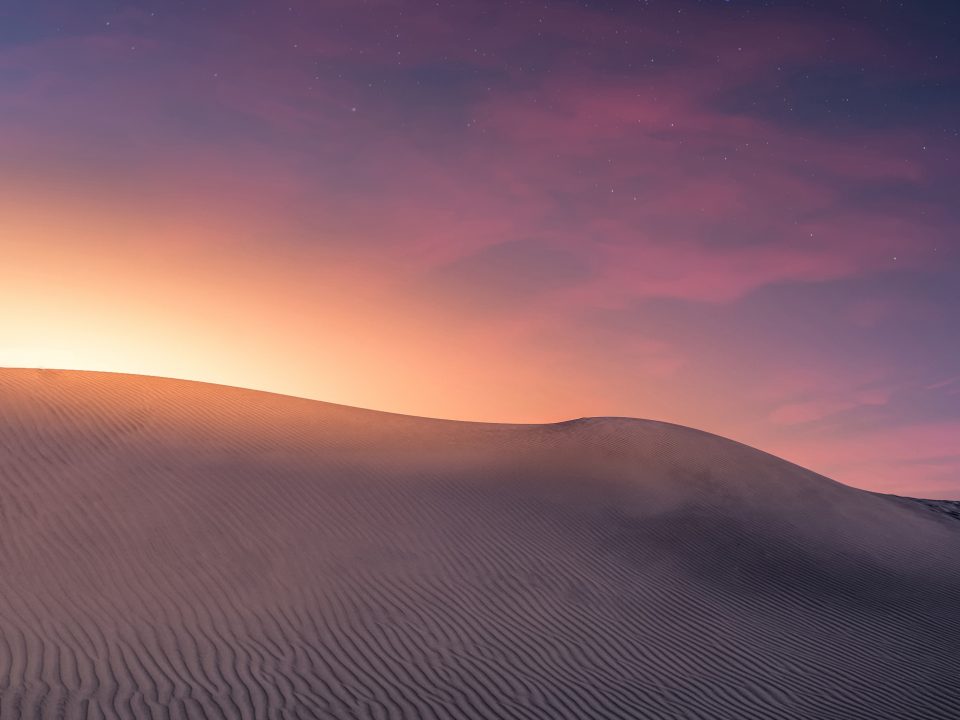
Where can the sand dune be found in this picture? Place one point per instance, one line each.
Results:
(180, 550)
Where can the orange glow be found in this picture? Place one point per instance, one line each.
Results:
(92, 290)
(317, 204)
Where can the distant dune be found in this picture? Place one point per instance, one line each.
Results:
(172, 549)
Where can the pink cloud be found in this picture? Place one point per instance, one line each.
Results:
(813, 410)
(645, 171)
(920, 460)
(645, 181)
(949, 385)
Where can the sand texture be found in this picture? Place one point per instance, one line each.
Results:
(179, 550)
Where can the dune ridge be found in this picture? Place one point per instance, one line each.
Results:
(171, 549)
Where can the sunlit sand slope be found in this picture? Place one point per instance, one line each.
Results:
(178, 550)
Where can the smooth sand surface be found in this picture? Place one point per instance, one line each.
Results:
(179, 550)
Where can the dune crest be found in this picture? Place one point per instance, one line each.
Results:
(171, 549)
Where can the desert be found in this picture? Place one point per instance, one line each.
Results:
(173, 549)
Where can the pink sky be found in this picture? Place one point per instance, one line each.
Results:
(729, 217)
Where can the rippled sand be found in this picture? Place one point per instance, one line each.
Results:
(179, 550)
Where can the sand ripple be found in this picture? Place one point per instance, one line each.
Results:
(180, 550)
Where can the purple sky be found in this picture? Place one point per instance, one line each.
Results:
(740, 216)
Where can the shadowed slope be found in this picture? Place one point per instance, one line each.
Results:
(176, 549)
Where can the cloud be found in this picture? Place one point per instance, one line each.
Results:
(919, 459)
(505, 275)
(658, 188)
(821, 408)
(608, 212)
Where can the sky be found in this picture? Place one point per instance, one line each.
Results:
(740, 216)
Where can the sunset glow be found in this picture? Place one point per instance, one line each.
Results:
(510, 213)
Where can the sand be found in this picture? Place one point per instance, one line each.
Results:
(172, 549)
